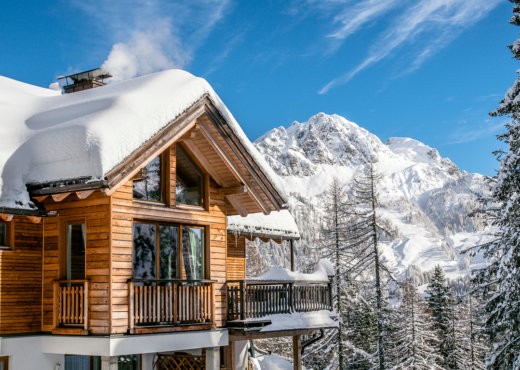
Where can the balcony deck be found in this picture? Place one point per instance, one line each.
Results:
(249, 301)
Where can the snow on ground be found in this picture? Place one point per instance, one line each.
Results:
(271, 362)
(300, 320)
(322, 272)
(48, 136)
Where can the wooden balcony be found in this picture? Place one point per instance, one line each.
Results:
(170, 305)
(71, 306)
(253, 299)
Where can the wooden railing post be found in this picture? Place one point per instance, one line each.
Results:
(56, 303)
(329, 284)
(85, 304)
(291, 300)
(243, 287)
(131, 319)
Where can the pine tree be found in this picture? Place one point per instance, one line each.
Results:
(441, 303)
(331, 246)
(363, 246)
(499, 282)
(417, 340)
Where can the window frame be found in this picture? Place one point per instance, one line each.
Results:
(205, 180)
(180, 258)
(164, 180)
(63, 244)
(9, 236)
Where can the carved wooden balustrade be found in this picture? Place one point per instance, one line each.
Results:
(170, 302)
(71, 304)
(249, 299)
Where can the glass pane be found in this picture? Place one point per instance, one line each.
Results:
(73, 362)
(168, 241)
(193, 252)
(3, 234)
(129, 362)
(148, 186)
(144, 251)
(188, 180)
(95, 362)
(76, 252)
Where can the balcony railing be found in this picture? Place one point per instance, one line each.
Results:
(71, 304)
(169, 302)
(249, 299)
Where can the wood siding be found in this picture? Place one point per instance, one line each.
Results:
(125, 210)
(95, 212)
(21, 279)
(236, 257)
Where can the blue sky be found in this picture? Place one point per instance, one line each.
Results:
(426, 69)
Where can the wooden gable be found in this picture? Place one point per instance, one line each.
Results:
(207, 137)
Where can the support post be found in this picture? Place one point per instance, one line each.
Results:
(291, 243)
(230, 356)
(213, 358)
(297, 352)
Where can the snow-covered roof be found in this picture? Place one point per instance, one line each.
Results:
(277, 224)
(47, 136)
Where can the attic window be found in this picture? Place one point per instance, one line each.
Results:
(148, 182)
(189, 180)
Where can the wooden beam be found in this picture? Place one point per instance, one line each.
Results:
(234, 190)
(297, 352)
(84, 194)
(237, 334)
(230, 356)
(6, 217)
(166, 137)
(233, 168)
(40, 198)
(205, 164)
(236, 204)
(34, 219)
(59, 197)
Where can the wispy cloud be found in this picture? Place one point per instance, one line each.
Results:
(152, 35)
(467, 133)
(429, 26)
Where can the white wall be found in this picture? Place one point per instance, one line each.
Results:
(25, 354)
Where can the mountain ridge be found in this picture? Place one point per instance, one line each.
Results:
(424, 197)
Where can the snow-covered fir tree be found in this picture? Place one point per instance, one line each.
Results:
(499, 282)
(441, 303)
(417, 340)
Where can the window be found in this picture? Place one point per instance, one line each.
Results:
(168, 251)
(78, 362)
(130, 362)
(147, 185)
(189, 181)
(75, 262)
(5, 242)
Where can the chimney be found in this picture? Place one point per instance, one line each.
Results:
(84, 80)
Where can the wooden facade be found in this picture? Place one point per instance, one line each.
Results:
(36, 291)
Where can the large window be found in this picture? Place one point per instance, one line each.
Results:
(190, 180)
(164, 251)
(147, 184)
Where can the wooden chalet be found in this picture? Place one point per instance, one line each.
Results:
(125, 260)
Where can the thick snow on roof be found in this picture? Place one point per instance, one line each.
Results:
(47, 136)
(277, 224)
(323, 270)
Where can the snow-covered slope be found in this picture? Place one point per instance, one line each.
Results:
(424, 198)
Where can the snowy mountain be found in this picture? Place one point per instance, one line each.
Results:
(424, 198)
